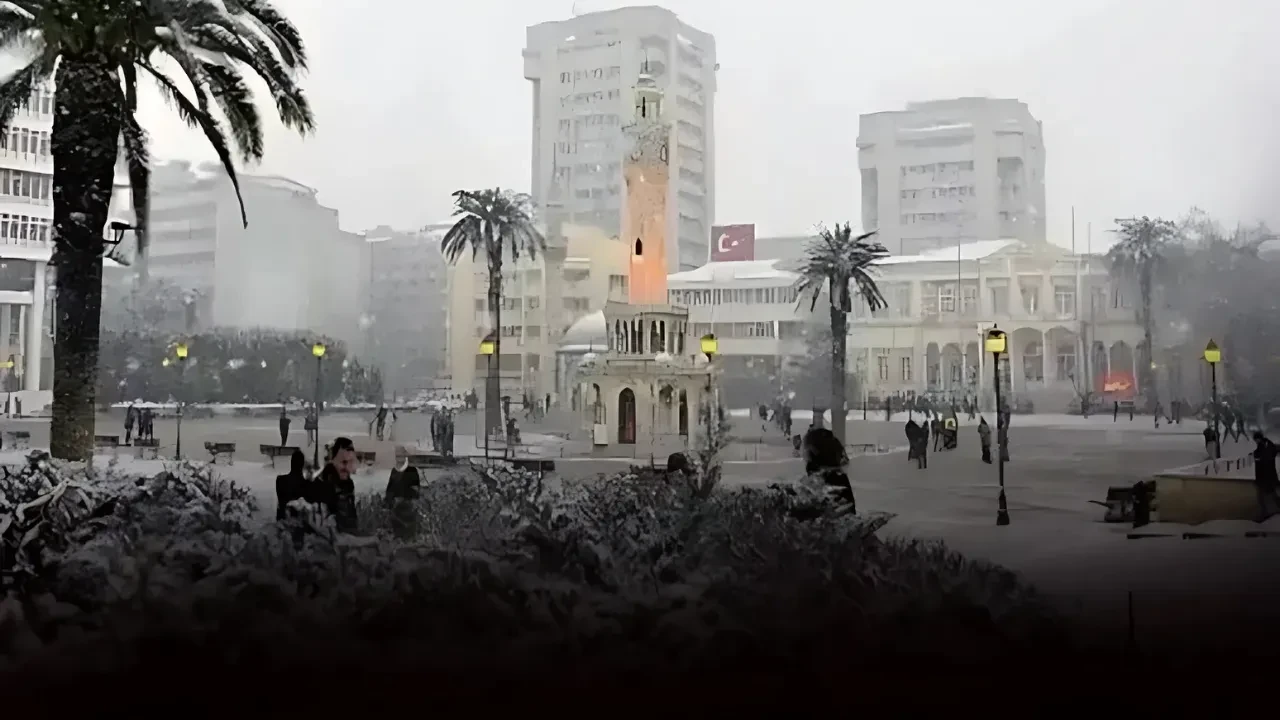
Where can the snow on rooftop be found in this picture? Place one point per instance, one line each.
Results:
(728, 270)
(968, 251)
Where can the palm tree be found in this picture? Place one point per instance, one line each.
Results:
(838, 261)
(494, 223)
(94, 51)
(1141, 255)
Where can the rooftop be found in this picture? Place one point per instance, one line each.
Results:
(729, 270)
(979, 250)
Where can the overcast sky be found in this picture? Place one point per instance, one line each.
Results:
(1149, 106)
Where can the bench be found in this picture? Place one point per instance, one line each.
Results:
(220, 449)
(109, 442)
(272, 452)
(424, 460)
(1119, 504)
(146, 449)
(17, 439)
(538, 464)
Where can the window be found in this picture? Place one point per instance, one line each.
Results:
(882, 366)
(1064, 300)
(1066, 362)
(947, 298)
(969, 299)
(906, 369)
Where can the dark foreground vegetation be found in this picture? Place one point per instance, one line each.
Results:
(174, 581)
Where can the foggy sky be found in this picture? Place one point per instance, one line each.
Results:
(1149, 106)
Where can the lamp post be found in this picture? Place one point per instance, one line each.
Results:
(710, 347)
(181, 352)
(317, 350)
(996, 344)
(488, 346)
(1213, 356)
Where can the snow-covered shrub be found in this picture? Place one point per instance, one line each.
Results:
(626, 572)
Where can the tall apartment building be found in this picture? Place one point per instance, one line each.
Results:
(584, 71)
(407, 321)
(292, 268)
(952, 171)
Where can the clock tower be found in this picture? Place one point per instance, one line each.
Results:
(646, 171)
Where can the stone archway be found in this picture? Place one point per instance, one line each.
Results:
(626, 417)
(1026, 358)
(972, 366)
(1121, 378)
(666, 406)
(1060, 343)
(597, 405)
(684, 413)
(952, 367)
(1099, 364)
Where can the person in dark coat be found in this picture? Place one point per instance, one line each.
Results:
(984, 435)
(292, 485)
(935, 429)
(824, 455)
(130, 417)
(918, 444)
(402, 491)
(334, 488)
(284, 425)
(1265, 480)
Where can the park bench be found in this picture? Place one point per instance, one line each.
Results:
(106, 442)
(1119, 504)
(17, 439)
(220, 449)
(146, 449)
(272, 452)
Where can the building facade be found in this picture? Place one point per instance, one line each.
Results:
(542, 297)
(946, 172)
(583, 72)
(407, 321)
(291, 269)
(1071, 328)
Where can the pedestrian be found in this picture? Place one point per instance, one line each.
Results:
(401, 495)
(918, 444)
(334, 488)
(1211, 441)
(984, 436)
(146, 426)
(284, 425)
(292, 485)
(130, 417)
(1228, 421)
(1265, 480)
(381, 420)
(1115, 412)
(311, 425)
(935, 429)
(448, 433)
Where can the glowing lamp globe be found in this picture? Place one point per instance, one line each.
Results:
(709, 345)
(181, 351)
(318, 350)
(487, 345)
(1212, 353)
(996, 342)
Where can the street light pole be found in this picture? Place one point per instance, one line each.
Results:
(318, 351)
(181, 351)
(997, 343)
(1213, 356)
(488, 346)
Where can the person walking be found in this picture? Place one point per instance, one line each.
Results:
(1210, 441)
(130, 417)
(284, 425)
(984, 436)
(311, 424)
(1265, 480)
(402, 492)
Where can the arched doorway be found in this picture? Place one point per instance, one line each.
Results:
(666, 404)
(626, 417)
(684, 414)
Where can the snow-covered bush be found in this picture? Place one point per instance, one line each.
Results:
(627, 572)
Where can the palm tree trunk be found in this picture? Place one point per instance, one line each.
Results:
(1147, 379)
(839, 365)
(86, 133)
(493, 378)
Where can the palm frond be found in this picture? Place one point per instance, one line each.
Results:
(17, 89)
(235, 99)
(137, 157)
(198, 117)
(837, 261)
(493, 222)
(282, 33)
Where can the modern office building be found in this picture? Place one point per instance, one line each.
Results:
(406, 325)
(584, 72)
(291, 269)
(946, 172)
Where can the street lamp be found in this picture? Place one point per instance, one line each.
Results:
(997, 343)
(488, 346)
(317, 350)
(181, 352)
(1213, 356)
(710, 347)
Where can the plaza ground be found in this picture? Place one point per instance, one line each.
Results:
(1056, 538)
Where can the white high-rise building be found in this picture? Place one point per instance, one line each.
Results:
(584, 72)
(952, 171)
